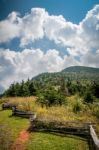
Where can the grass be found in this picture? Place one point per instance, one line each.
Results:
(44, 141)
(62, 113)
(15, 124)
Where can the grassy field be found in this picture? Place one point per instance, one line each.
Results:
(62, 113)
(15, 124)
(45, 141)
(38, 140)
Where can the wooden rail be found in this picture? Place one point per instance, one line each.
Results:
(21, 113)
(95, 140)
(7, 106)
(59, 127)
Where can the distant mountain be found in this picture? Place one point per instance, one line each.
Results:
(72, 73)
(81, 69)
(77, 75)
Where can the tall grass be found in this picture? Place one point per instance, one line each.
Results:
(59, 113)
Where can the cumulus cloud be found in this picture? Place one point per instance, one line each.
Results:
(9, 28)
(27, 28)
(38, 23)
(90, 59)
(90, 28)
(16, 66)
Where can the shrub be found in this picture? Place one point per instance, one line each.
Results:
(88, 97)
(77, 106)
(96, 111)
(51, 97)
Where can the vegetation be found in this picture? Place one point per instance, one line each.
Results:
(39, 141)
(5, 142)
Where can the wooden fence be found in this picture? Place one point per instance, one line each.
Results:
(7, 106)
(85, 130)
(94, 138)
(21, 113)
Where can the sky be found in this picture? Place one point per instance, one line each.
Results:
(46, 36)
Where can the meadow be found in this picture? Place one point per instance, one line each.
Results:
(63, 113)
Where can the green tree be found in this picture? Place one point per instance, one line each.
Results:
(24, 91)
(32, 88)
(88, 97)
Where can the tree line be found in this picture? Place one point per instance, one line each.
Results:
(50, 93)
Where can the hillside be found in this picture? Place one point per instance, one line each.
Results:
(73, 73)
(72, 80)
(81, 69)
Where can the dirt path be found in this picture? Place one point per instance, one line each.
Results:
(20, 141)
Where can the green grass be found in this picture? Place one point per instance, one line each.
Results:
(16, 124)
(46, 141)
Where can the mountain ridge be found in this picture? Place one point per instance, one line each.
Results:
(80, 68)
(72, 72)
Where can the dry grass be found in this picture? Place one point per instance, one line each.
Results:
(59, 113)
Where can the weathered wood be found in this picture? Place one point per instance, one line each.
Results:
(20, 113)
(58, 127)
(7, 106)
(94, 137)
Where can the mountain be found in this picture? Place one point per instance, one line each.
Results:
(81, 69)
(76, 78)
(73, 73)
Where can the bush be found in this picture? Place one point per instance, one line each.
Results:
(88, 97)
(96, 111)
(51, 97)
(77, 107)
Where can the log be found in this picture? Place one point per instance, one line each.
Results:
(94, 137)
(54, 127)
(7, 106)
(20, 113)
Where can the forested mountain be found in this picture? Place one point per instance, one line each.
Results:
(73, 73)
(52, 88)
(81, 69)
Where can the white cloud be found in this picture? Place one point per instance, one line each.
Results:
(32, 26)
(16, 66)
(90, 30)
(27, 28)
(38, 23)
(9, 28)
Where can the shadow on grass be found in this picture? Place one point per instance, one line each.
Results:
(17, 117)
(59, 133)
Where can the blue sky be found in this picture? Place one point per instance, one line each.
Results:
(73, 10)
(46, 36)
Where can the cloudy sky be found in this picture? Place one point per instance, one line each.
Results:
(46, 36)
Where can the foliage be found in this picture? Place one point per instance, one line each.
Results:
(77, 106)
(88, 97)
(52, 88)
(23, 89)
(51, 97)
